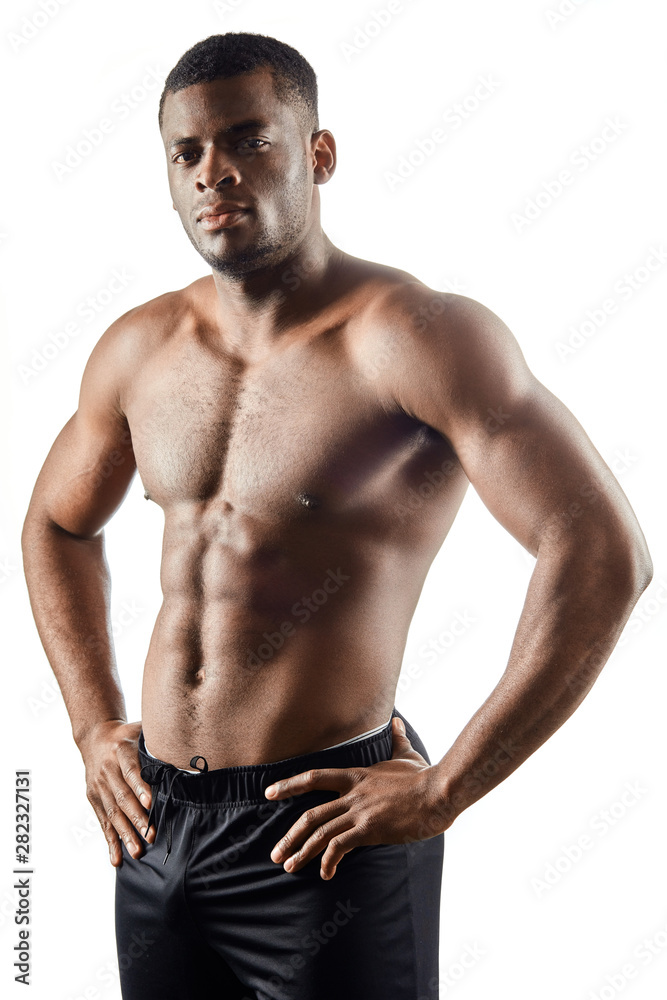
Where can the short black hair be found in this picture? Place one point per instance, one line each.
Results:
(223, 56)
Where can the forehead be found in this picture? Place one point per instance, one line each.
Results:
(222, 102)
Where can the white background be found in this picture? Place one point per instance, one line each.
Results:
(450, 223)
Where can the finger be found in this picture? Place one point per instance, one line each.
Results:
(338, 847)
(131, 807)
(128, 760)
(399, 737)
(304, 826)
(110, 834)
(336, 779)
(401, 745)
(120, 822)
(320, 839)
(128, 801)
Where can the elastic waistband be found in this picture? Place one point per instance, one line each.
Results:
(246, 783)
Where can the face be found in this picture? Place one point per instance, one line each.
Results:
(231, 144)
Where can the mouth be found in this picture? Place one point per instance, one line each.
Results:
(222, 220)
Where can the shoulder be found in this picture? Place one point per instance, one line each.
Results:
(419, 343)
(156, 318)
(421, 315)
(135, 336)
(400, 306)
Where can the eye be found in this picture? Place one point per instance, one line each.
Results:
(186, 153)
(261, 142)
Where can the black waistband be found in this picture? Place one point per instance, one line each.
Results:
(246, 783)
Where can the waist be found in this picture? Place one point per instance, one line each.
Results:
(343, 743)
(246, 783)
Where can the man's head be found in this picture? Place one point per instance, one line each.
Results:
(238, 117)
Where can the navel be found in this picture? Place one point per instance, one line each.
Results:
(308, 500)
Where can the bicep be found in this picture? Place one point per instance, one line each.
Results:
(536, 469)
(90, 465)
(525, 453)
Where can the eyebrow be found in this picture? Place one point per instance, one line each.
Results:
(235, 129)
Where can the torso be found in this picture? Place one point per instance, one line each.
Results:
(300, 522)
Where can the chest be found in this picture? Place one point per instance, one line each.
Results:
(302, 423)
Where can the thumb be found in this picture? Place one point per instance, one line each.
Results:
(400, 740)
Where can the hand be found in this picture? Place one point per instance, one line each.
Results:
(114, 785)
(392, 802)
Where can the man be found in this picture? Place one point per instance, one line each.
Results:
(284, 411)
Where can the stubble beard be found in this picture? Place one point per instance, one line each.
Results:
(268, 248)
(236, 263)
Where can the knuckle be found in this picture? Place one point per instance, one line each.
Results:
(128, 756)
(309, 816)
(355, 776)
(122, 798)
(362, 828)
(354, 801)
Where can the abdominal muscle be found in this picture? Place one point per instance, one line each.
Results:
(313, 690)
(283, 625)
(242, 686)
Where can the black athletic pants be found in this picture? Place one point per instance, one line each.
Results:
(205, 912)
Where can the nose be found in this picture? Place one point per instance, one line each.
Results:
(215, 170)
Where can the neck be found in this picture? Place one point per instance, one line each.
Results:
(255, 308)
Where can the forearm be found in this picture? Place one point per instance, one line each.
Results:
(574, 612)
(69, 586)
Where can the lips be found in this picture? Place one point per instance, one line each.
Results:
(221, 220)
(220, 215)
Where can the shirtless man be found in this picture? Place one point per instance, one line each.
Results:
(284, 412)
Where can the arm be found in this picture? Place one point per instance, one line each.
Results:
(538, 473)
(83, 481)
(456, 367)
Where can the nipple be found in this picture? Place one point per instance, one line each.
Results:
(308, 500)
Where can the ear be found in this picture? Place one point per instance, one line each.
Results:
(323, 150)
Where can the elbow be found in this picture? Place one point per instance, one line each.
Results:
(608, 559)
(632, 568)
(639, 561)
(33, 534)
(621, 568)
(643, 570)
(26, 532)
(30, 543)
(32, 525)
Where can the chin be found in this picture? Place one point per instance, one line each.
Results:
(244, 262)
